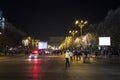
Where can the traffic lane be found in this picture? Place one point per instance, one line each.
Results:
(93, 72)
(83, 71)
(53, 68)
(20, 69)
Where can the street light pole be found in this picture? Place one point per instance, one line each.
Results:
(73, 33)
(81, 24)
(73, 36)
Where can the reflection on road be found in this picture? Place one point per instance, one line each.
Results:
(35, 69)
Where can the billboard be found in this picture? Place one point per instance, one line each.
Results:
(42, 45)
(104, 41)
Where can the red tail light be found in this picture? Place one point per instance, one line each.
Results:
(35, 52)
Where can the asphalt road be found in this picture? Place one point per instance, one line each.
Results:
(53, 68)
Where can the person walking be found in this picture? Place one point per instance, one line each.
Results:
(67, 56)
(84, 56)
(71, 55)
(79, 55)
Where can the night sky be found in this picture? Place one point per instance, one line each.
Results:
(43, 19)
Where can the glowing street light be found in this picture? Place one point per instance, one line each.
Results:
(73, 33)
(81, 24)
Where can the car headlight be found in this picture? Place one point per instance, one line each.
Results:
(29, 56)
(35, 56)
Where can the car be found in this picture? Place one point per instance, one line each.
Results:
(34, 54)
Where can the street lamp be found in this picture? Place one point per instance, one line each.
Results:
(81, 24)
(73, 33)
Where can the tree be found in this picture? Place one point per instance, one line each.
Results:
(109, 27)
(11, 36)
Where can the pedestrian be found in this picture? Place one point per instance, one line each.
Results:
(26, 52)
(6, 50)
(11, 52)
(71, 55)
(84, 56)
(67, 56)
(88, 56)
(74, 55)
(79, 55)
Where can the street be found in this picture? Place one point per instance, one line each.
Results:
(53, 68)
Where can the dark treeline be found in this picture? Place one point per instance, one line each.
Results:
(110, 26)
(11, 36)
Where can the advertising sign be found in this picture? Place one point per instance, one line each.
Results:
(104, 41)
(42, 45)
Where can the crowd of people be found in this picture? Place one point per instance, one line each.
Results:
(107, 53)
(79, 55)
(85, 55)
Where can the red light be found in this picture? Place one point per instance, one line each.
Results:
(35, 71)
(35, 51)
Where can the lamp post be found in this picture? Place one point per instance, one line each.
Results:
(81, 24)
(73, 33)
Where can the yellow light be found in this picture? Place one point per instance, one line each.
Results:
(85, 22)
(81, 21)
(69, 31)
(76, 22)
